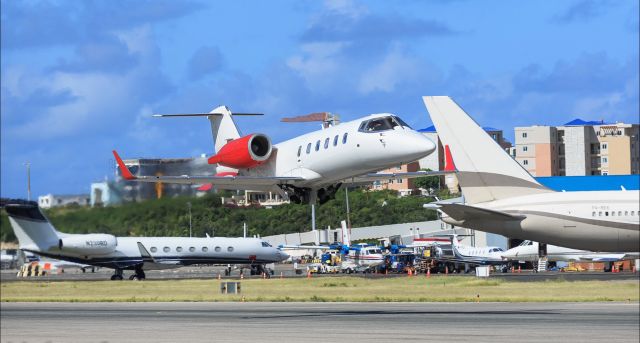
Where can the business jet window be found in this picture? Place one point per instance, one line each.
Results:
(308, 148)
(326, 143)
(154, 249)
(192, 249)
(179, 249)
(401, 122)
(265, 244)
(166, 249)
(318, 145)
(205, 249)
(230, 249)
(335, 140)
(217, 249)
(299, 150)
(344, 138)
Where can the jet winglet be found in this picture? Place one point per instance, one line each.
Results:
(126, 173)
(146, 256)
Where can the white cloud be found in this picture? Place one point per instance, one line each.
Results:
(396, 67)
(318, 63)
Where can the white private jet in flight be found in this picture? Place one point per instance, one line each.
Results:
(37, 235)
(305, 168)
(503, 198)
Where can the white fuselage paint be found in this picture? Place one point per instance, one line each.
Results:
(173, 252)
(361, 153)
(529, 253)
(593, 220)
(365, 257)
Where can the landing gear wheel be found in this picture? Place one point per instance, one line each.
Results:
(116, 277)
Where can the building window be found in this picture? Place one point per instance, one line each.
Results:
(344, 138)
(308, 148)
(525, 148)
(524, 135)
(604, 146)
(525, 162)
(326, 143)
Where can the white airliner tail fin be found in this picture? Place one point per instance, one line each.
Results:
(33, 230)
(485, 171)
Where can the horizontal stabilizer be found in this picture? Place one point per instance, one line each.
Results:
(466, 212)
(203, 114)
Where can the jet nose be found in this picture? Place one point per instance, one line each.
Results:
(282, 255)
(420, 145)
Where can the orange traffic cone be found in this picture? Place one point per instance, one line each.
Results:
(428, 272)
(308, 274)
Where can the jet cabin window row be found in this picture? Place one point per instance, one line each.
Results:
(192, 249)
(614, 213)
(326, 143)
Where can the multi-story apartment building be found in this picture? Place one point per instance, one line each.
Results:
(578, 148)
(403, 186)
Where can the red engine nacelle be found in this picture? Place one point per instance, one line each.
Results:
(242, 153)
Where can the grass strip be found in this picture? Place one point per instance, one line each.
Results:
(325, 289)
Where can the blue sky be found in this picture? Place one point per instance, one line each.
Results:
(80, 78)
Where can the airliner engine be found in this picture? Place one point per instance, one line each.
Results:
(242, 153)
(93, 243)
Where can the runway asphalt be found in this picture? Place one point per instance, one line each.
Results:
(319, 322)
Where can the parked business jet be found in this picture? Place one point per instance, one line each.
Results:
(37, 235)
(503, 198)
(305, 168)
(527, 251)
(462, 254)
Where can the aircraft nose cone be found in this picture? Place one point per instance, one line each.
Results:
(421, 145)
(282, 255)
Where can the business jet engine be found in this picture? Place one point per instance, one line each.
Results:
(89, 244)
(243, 153)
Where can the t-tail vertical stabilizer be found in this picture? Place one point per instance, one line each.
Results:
(485, 171)
(223, 127)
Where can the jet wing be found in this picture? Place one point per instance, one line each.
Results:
(464, 212)
(225, 182)
(317, 247)
(390, 176)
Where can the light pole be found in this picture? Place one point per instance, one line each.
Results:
(28, 164)
(189, 206)
(346, 194)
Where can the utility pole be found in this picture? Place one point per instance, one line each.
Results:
(313, 217)
(28, 164)
(244, 229)
(346, 194)
(189, 206)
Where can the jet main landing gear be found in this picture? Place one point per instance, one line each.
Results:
(117, 275)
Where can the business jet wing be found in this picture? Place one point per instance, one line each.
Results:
(226, 182)
(464, 212)
(390, 176)
(151, 263)
(316, 247)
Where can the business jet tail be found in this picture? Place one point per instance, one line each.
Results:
(33, 230)
(223, 127)
(485, 171)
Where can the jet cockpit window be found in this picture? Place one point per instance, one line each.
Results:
(381, 124)
(401, 122)
(266, 245)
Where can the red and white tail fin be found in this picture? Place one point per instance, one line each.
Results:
(346, 235)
